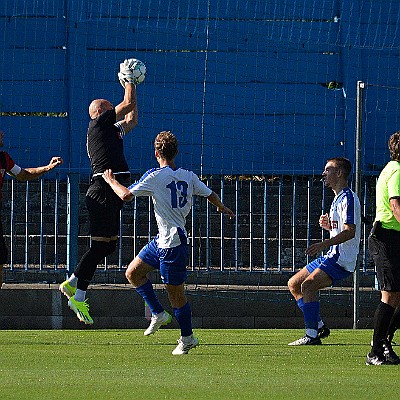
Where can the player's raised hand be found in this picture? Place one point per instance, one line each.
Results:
(131, 71)
(55, 161)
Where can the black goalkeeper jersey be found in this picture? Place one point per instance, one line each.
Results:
(105, 145)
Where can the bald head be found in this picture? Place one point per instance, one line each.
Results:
(98, 106)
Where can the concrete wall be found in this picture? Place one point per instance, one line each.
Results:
(118, 306)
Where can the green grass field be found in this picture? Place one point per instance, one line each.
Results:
(229, 364)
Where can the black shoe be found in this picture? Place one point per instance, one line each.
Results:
(323, 332)
(389, 354)
(373, 359)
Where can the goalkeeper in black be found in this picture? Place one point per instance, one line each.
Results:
(107, 128)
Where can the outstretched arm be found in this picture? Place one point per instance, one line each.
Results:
(27, 174)
(127, 110)
(214, 199)
(120, 190)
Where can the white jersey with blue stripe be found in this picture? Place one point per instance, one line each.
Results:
(345, 209)
(172, 192)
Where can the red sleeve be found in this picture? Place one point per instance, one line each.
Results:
(9, 162)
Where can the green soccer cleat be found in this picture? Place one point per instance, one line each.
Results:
(67, 290)
(81, 309)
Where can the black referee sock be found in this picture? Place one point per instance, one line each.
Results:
(383, 316)
(394, 323)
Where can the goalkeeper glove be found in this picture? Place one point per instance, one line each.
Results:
(125, 72)
(124, 79)
(127, 66)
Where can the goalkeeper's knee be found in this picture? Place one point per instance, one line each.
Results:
(103, 249)
(100, 249)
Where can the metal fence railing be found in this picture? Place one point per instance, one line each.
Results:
(46, 224)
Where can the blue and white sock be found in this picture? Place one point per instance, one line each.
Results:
(311, 313)
(184, 317)
(300, 303)
(149, 296)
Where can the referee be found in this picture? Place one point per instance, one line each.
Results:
(105, 150)
(383, 244)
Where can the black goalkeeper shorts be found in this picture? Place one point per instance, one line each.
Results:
(104, 209)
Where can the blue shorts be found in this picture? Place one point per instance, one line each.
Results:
(327, 264)
(171, 262)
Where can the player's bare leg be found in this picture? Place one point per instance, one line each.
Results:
(137, 271)
(176, 295)
(296, 281)
(313, 283)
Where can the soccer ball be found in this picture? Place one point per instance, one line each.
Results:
(138, 70)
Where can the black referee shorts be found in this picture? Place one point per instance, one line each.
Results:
(104, 209)
(384, 247)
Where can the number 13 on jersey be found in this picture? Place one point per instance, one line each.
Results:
(178, 193)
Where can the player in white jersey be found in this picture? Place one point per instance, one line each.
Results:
(172, 190)
(345, 209)
(344, 226)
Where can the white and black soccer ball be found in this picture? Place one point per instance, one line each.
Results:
(138, 70)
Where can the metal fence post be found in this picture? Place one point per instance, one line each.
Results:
(356, 276)
(72, 220)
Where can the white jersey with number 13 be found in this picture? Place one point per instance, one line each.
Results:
(172, 193)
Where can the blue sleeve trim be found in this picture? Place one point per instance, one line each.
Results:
(350, 217)
(143, 177)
